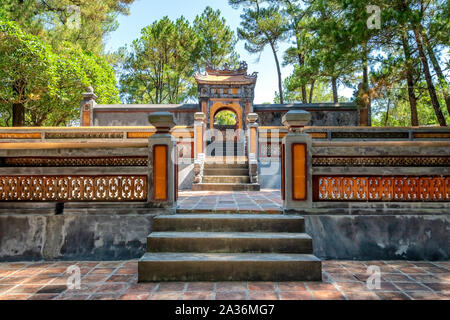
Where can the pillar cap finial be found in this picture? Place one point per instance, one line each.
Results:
(296, 119)
(199, 116)
(252, 117)
(89, 94)
(162, 121)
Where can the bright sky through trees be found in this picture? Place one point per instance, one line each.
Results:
(145, 12)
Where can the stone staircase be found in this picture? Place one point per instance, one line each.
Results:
(229, 247)
(226, 176)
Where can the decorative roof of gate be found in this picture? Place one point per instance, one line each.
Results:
(226, 75)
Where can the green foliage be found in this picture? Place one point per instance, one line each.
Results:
(53, 21)
(158, 69)
(262, 25)
(48, 84)
(225, 117)
(217, 41)
(332, 42)
(160, 65)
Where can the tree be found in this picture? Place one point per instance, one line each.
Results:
(25, 69)
(216, 40)
(262, 26)
(159, 67)
(55, 21)
(41, 87)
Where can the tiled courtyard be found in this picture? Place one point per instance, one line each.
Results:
(264, 201)
(118, 280)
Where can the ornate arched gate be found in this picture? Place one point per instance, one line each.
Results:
(226, 89)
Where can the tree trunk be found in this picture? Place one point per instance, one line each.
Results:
(18, 115)
(429, 80)
(311, 91)
(18, 108)
(409, 78)
(334, 87)
(365, 87)
(387, 112)
(438, 70)
(280, 84)
(301, 61)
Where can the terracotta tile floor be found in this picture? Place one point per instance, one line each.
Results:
(117, 280)
(264, 201)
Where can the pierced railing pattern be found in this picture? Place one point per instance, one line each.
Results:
(73, 188)
(383, 188)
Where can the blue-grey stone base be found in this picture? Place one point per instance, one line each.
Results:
(380, 237)
(121, 236)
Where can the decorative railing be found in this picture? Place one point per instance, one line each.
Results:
(270, 138)
(92, 167)
(361, 165)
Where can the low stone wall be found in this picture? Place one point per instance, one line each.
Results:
(137, 115)
(80, 236)
(380, 237)
(73, 236)
(322, 114)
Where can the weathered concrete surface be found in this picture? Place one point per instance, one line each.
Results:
(318, 118)
(388, 237)
(185, 176)
(270, 174)
(115, 237)
(73, 237)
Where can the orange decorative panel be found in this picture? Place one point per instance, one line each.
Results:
(318, 135)
(86, 121)
(381, 188)
(20, 135)
(299, 171)
(235, 90)
(431, 135)
(160, 175)
(139, 135)
(73, 188)
(199, 138)
(253, 140)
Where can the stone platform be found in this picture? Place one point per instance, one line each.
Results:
(400, 280)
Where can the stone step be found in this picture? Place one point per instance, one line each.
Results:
(225, 187)
(229, 223)
(163, 266)
(221, 242)
(225, 165)
(225, 172)
(226, 179)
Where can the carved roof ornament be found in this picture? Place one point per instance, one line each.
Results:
(226, 74)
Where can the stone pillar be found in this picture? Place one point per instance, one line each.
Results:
(296, 179)
(199, 145)
(252, 147)
(162, 173)
(199, 133)
(87, 108)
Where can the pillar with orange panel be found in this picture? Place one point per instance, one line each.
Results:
(162, 176)
(252, 146)
(296, 162)
(87, 108)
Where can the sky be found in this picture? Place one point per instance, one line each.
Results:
(145, 12)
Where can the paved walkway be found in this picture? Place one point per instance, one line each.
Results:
(264, 201)
(117, 280)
